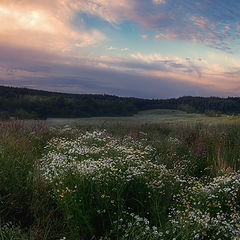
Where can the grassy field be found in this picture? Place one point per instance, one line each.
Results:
(160, 174)
(148, 116)
(156, 116)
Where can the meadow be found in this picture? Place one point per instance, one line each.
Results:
(161, 174)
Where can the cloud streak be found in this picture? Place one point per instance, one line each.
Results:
(213, 23)
(139, 75)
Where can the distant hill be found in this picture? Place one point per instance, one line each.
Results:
(25, 103)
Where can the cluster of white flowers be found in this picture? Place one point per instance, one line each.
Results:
(99, 156)
(209, 208)
(134, 226)
(214, 207)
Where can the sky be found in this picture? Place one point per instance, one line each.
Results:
(139, 48)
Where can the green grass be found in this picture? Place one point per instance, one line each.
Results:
(176, 179)
(143, 117)
(25, 198)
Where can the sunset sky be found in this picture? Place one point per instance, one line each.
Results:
(140, 48)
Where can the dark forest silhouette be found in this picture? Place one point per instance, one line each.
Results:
(23, 103)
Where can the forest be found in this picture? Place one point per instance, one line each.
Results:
(23, 103)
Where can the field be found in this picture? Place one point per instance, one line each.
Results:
(161, 174)
(143, 117)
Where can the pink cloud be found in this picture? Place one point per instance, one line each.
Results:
(144, 36)
(43, 24)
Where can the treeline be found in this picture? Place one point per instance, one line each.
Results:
(25, 103)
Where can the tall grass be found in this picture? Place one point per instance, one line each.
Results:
(154, 181)
(25, 199)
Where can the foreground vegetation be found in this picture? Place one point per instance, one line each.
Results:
(151, 181)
